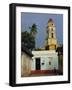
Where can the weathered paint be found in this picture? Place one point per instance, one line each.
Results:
(45, 58)
(25, 64)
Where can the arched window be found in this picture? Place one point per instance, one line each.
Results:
(52, 35)
(51, 29)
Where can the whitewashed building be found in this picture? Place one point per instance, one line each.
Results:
(44, 61)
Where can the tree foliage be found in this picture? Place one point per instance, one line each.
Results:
(33, 30)
(27, 40)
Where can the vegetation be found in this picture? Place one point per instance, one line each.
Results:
(28, 38)
(33, 30)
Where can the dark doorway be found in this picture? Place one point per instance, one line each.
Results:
(37, 63)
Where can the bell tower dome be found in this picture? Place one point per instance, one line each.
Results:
(51, 41)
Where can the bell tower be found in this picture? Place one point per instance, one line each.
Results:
(51, 40)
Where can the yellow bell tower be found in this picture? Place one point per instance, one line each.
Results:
(51, 41)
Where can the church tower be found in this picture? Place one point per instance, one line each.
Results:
(51, 40)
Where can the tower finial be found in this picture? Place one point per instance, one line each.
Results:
(50, 20)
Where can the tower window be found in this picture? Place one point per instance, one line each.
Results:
(51, 29)
(52, 35)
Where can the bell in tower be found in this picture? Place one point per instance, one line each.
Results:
(51, 40)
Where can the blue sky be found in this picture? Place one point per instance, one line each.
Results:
(41, 20)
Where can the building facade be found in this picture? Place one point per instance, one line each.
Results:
(44, 61)
(26, 60)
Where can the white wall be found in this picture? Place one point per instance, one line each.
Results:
(46, 60)
(4, 44)
(46, 57)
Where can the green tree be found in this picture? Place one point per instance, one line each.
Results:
(27, 40)
(33, 30)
